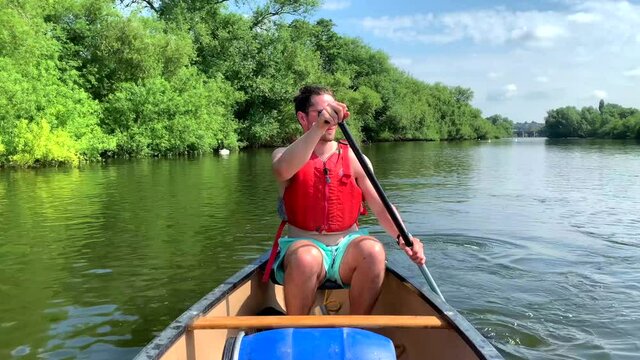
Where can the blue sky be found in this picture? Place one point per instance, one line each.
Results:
(521, 58)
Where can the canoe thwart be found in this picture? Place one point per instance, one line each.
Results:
(310, 321)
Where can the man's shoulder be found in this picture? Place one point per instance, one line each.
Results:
(356, 164)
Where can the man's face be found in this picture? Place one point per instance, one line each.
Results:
(318, 102)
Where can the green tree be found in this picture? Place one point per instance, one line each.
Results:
(107, 48)
(44, 117)
(592, 118)
(565, 122)
(188, 114)
(609, 121)
(503, 125)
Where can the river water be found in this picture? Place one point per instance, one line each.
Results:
(536, 242)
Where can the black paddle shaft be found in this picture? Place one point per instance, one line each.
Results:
(385, 201)
(376, 185)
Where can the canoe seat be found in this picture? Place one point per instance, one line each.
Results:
(314, 343)
(330, 285)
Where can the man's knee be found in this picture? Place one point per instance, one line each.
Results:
(365, 253)
(305, 261)
(373, 251)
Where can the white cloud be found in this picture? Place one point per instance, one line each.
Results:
(549, 32)
(552, 56)
(599, 94)
(335, 5)
(493, 27)
(583, 17)
(583, 24)
(633, 72)
(505, 93)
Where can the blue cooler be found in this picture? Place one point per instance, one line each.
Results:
(314, 343)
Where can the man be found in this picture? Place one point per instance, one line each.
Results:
(323, 185)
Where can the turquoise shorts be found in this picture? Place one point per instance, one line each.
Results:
(331, 255)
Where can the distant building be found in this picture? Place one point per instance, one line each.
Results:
(528, 129)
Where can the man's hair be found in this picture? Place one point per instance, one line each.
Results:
(302, 101)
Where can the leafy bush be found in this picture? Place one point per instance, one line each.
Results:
(190, 113)
(37, 103)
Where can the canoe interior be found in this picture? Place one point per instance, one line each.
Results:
(397, 298)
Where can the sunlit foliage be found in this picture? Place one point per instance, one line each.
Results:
(84, 80)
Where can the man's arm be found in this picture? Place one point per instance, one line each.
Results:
(416, 253)
(287, 161)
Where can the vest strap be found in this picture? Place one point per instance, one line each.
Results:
(274, 252)
(346, 164)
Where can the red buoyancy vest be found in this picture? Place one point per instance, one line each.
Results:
(324, 196)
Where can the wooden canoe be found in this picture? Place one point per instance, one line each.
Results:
(419, 324)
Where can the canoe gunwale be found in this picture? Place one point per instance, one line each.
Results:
(480, 345)
(161, 343)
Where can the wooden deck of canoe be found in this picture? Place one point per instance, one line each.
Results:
(419, 323)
